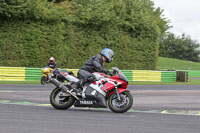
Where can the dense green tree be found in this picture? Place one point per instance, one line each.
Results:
(35, 10)
(179, 47)
(72, 31)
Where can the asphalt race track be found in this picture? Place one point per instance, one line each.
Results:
(156, 109)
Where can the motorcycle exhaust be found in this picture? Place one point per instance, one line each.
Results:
(63, 87)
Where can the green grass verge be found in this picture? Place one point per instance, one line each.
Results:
(190, 82)
(175, 64)
(19, 82)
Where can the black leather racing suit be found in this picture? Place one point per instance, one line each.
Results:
(94, 64)
(52, 65)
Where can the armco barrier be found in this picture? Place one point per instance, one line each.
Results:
(168, 76)
(143, 75)
(128, 74)
(34, 74)
(155, 76)
(12, 74)
(193, 73)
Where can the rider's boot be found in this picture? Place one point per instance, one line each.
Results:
(79, 85)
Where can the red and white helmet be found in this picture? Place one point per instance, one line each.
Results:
(52, 60)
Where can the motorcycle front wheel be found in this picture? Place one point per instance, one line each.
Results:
(43, 80)
(60, 100)
(123, 105)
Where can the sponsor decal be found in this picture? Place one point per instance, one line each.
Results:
(93, 92)
(86, 102)
(98, 89)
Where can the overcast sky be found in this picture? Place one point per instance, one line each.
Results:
(184, 16)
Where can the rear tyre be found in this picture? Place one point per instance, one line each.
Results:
(123, 105)
(59, 99)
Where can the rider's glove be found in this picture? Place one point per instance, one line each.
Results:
(108, 72)
(56, 71)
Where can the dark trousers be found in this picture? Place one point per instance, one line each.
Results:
(86, 76)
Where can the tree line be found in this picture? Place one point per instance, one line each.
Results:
(74, 30)
(179, 47)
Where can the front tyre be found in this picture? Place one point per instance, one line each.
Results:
(60, 100)
(43, 80)
(123, 105)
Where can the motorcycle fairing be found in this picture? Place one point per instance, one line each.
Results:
(98, 75)
(96, 96)
(109, 85)
(71, 78)
(120, 90)
(97, 87)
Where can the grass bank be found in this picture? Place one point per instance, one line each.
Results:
(175, 64)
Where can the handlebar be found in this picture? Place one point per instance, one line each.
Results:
(112, 73)
(56, 71)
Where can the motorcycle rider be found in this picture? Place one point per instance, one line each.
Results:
(52, 63)
(94, 64)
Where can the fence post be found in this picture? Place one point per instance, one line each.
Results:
(181, 76)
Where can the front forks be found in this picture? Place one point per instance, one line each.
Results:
(117, 92)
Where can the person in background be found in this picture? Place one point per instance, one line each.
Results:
(52, 63)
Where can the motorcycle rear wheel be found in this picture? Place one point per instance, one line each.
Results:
(123, 105)
(61, 102)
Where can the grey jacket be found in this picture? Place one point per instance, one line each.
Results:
(94, 64)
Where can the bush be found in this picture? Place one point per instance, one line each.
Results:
(73, 31)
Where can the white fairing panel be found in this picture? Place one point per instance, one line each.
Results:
(71, 78)
(98, 89)
(83, 94)
(98, 76)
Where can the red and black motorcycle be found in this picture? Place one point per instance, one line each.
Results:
(105, 91)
